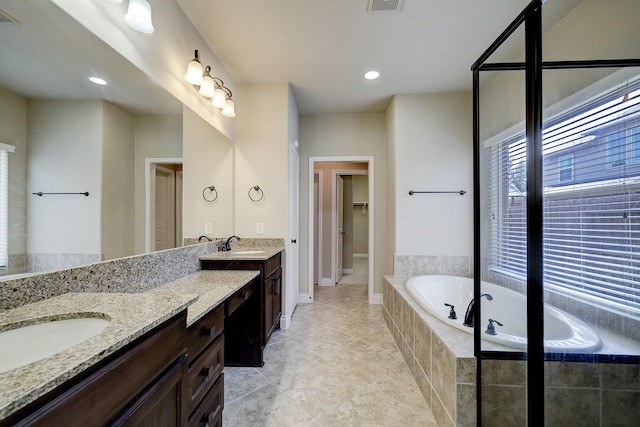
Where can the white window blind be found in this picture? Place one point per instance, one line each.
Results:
(591, 178)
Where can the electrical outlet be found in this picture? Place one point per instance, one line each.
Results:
(208, 228)
(259, 228)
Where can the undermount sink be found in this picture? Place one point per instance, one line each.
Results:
(248, 252)
(28, 344)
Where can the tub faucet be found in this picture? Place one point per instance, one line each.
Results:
(204, 237)
(471, 312)
(227, 244)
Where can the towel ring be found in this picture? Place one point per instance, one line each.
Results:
(258, 190)
(212, 189)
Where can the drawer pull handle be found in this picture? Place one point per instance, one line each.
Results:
(208, 418)
(210, 332)
(246, 296)
(207, 372)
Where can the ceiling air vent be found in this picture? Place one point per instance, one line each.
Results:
(384, 5)
(5, 17)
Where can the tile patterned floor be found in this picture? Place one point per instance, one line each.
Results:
(337, 365)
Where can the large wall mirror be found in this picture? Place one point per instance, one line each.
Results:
(142, 157)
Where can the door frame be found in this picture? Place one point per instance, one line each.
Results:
(311, 249)
(149, 169)
(334, 214)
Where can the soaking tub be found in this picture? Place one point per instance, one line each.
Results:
(563, 333)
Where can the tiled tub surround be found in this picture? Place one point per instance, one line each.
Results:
(442, 362)
(138, 273)
(131, 315)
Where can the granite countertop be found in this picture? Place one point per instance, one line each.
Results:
(234, 255)
(211, 286)
(130, 315)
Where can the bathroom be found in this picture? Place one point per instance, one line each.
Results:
(408, 141)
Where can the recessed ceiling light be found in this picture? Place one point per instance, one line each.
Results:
(98, 80)
(371, 75)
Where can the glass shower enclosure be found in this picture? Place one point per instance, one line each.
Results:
(557, 217)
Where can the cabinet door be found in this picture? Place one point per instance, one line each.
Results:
(277, 298)
(269, 288)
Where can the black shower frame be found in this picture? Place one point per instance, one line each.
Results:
(533, 66)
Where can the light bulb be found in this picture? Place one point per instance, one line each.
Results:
(138, 16)
(194, 71)
(229, 109)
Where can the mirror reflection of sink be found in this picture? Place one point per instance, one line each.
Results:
(28, 344)
(248, 252)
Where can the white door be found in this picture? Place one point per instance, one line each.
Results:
(339, 227)
(164, 208)
(292, 285)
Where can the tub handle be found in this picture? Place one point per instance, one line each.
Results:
(452, 312)
(491, 330)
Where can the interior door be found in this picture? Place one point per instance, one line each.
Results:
(164, 208)
(340, 226)
(292, 274)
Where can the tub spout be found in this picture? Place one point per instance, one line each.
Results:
(469, 316)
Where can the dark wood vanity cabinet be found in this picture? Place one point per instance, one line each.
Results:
(270, 289)
(142, 384)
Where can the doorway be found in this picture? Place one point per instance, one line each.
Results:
(163, 205)
(329, 245)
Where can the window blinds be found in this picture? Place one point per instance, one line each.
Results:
(591, 175)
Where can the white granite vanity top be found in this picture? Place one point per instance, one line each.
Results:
(211, 286)
(130, 315)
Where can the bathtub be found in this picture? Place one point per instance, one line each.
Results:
(563, 332)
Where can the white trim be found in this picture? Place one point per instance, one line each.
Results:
(347, 271)
(371, 169)
(377, 299)
(319, 244)
(364, 256)
(8, 148)
(326, 281)
(285, 322)
(147, 195)
(304, 298)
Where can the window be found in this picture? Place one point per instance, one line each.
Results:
(591, 178)
(565, 166)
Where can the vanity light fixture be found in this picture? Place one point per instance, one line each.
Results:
(138, 16)
(209, 86)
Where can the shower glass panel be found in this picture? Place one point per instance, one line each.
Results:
(591, 178)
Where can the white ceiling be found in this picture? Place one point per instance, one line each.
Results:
(47, 54)
(324, 47)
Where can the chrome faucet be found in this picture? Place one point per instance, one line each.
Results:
(204, 237)
(227, 244)
(471, 312)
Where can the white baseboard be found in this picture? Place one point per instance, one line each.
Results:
(326, 281)
(285, 322)
(361, 255)
(347, 271)
(376, 299)
(304, 299)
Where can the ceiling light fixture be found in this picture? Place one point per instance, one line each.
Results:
(138, 16)
(98, 80)
(371, 75)
(209, 86)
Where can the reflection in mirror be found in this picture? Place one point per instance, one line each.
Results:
(69, 135)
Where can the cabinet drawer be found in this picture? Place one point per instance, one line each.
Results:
(204, 331)
(238, 298)
(272, 264)
(209, 412)
(205, 370)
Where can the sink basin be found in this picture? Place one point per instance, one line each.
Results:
(28, 344)
(248, 252)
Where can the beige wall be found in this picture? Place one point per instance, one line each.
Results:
(207, 160)
(13, 131)
(64, 155)
(433, 152)
(117, 219)
(345, 135)
(155, 137)
(261, 143)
